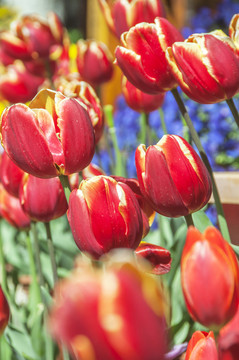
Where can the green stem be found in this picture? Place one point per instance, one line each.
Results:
(3, 266)
(143, 129)
(51, 252)
(234, 111)
(66, 186)
(189, 220)
(119, 164)
(37, 253)
(221, 217)
(162, 120)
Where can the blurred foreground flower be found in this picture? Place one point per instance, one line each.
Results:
(142, 57)
(50, 137)
(104, 214)
(118, 313)
(4, 311)
(206, 67)
(228, 341)
(202, 346)
(172, 177)
(210, 278)
(121, 15)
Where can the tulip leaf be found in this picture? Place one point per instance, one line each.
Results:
(201, 220)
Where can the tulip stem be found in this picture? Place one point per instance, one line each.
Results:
(233, 109)
(51, 252)
(3, 266)
(66, 186)
(37, 253)
(119, 166)
(162, 120)
(189, 220)
(221, 217)
(143, 129)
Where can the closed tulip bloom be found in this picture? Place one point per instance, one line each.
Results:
(11, 210)
(202, 346)
(211, 300)
(142, 56)
(104, 214)
(94, 62)
(10, 175)
(234, 31)
(157, 256)
(4, 311)
(228, 341)
(172, 177)
(118, 313)
(42, 199)
(121, 15)
(200, 66)
(139, 100)
(50, 137)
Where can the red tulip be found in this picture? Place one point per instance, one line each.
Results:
(202, 346)
(142, 57)
(158, 257)
(234, 31)
(42, 199)
(10, 175)
(11, 210)
(91, 171)
(50, 137)
(228, 341)
(17, 84)
(94, 62)
(4, 311)
(172, 177)
(210, 278)
(121, 15)
(84, 93)
(206, 67)
(140, 101)
(104, 214)
(118, 314)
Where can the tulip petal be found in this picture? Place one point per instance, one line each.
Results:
(25, 143)
(159, 258)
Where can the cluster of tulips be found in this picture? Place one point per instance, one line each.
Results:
(115, 304)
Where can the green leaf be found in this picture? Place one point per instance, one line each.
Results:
(201, 221)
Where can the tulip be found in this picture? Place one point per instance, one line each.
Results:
(42, 199)
(91, 171)
(121, 15)
(142, 57)
(234, 31)
(139, 100)
(228, 341)
(31, 37)
(200, 66)
(94, 62)
(210, 278)
(118, 313)
(159, 258)
(17, 84)
(104, 214)
(4, 311)
(202, 346)
(172, 177)
(10, 175)
(11, 210)
(50, 137)
(84, 93)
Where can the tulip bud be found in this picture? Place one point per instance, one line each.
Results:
(121, 15)
(140, 101)
(142, 57)
(211, 300)
(104, 214)
(91, 171)
(42, 199)
(4, 311)
(200, 66)
(11, 210)
(172, 177)
(10, 175)
(50, 137)
(118, 313)
(202, 346)
(234, 31)
(94, 62)
(228, 341)
(159, 258)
